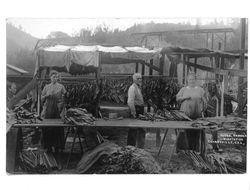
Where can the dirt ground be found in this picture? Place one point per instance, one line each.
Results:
(177, 164)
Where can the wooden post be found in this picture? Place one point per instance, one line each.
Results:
(212, 41)
(98, 77)
(225, 41)
(143, 69)
(195, 62)
(184, 70)
(222, 98)
(40, 58)
(242, 59)
(150, 74)
(222, 66)
(150, 69)
(187, 67)
(226, 83)
(207, 41)
(217, 66)
(158, 132)
(136, 67)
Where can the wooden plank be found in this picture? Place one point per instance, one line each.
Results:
(125, 123)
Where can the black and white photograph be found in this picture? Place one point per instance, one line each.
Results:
(126, 95)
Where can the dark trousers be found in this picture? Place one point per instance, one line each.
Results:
(137, 135)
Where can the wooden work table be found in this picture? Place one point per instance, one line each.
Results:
(124, 123)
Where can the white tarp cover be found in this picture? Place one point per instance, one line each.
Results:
(63, 56)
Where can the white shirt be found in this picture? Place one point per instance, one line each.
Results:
(134, 97)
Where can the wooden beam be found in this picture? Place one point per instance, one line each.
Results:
(150, 66)
(232, 72)
(22, 93)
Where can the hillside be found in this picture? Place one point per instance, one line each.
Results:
(20, 46)
(16, 38)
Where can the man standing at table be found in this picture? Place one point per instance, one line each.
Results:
(136, 136)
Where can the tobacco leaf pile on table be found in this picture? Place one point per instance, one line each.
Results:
(165, 115)
(19, 115)
(79, 116)
(228, 123)
(109, 158)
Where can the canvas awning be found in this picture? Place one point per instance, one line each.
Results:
(65, 56)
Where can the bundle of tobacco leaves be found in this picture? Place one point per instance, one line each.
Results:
(165, 115)
(115, 90)
(198, 161)
(79, 116)
(34, 160)
(127, 160)
(109, 158)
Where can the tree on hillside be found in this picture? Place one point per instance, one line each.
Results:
(58, 34)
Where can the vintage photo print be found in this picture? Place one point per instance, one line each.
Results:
(126, 95)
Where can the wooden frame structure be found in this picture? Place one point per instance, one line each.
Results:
(209, 33)
(218, 67)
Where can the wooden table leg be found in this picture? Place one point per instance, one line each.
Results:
(72, 147)
(175, 143)
(162, 142)
(80, 142)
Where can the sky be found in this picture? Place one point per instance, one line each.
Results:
(40, 28)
